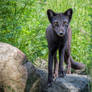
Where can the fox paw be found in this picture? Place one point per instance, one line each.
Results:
(68, 71)
(62, 74)
(55, 75)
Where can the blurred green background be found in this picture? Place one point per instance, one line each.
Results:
(23, 24)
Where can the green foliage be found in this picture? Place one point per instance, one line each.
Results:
(23, 24)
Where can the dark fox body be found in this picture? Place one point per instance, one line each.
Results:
(58, 36)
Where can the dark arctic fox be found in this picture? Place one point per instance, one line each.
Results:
(58, 36)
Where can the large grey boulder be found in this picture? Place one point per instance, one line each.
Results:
(17, 74)
(70, 83)
(13, 74)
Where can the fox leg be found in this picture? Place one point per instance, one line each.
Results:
(55, 66)
(67, 60)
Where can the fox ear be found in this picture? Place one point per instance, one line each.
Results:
(69, 13)
(50, 14)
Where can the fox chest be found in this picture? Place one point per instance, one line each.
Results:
(60, 44)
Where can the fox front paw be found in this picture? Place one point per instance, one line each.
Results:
(62, 74)
(55, 75)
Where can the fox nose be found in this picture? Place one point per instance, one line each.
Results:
(61, 33)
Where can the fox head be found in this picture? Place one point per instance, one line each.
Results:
(60, 21)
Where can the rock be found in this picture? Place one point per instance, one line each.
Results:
(13, 74)
(37, 79)
(17, 74)
(71, 83)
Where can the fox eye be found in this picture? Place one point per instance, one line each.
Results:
(56, 24)
(64, 22)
